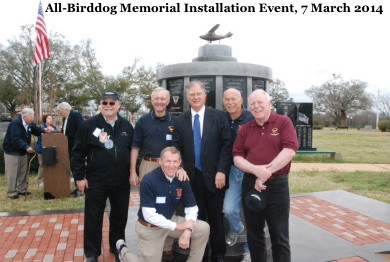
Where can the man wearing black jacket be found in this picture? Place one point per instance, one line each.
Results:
(15, 145)
(105, 142)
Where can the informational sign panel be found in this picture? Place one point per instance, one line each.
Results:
(239, 83)
(209, 82)
(175, 86)
(301, 114)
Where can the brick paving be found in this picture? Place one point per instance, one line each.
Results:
(347, 224)
(55, 237)
(59, 237)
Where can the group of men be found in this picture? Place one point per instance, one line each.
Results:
(204, 138)
(188, 160)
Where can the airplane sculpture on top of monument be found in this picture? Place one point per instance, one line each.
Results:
(212, 36)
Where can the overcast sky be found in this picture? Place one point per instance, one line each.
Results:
(301, 49)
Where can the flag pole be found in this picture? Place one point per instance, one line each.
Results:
(42, 52)
(39, 92)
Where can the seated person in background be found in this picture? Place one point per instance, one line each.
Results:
(47, 123)
(160, 193)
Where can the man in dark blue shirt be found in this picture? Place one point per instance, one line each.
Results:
(160, 193)
(153, 132)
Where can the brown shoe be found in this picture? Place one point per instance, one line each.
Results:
(168, 255)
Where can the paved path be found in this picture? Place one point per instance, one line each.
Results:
(298, 167)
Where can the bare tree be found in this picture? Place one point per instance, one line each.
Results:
(339, 98)
(278, 92)
(383, 105)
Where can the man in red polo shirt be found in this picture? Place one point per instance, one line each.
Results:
(264, 149)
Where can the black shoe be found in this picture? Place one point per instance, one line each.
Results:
(91, 259)
(13, 197)
(168, 256)
(24, 194)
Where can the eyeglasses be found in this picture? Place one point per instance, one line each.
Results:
(106, 103)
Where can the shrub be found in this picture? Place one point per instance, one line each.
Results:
(384, 125)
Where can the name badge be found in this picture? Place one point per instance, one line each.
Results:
(97, 132)
(160, 200)
(169, 137)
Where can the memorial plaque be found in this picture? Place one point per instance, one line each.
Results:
(238, 83)
(175, 86)
(301, 114)
(258, 83)
(209, 82)
(304, 125)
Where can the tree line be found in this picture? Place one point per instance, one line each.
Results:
(73, 74)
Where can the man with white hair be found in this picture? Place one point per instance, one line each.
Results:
(71, 122)
(15, 145)
(264, 149)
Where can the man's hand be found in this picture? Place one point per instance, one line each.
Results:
(82, 185)
(262, 172)
(134, 179)
(181, 174)
(184, 240)
(220, 180)
(30, 150)
(259, 185)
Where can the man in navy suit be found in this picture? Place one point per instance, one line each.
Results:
(208, 169)
(71, 122)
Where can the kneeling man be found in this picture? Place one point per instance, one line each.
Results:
(160, 193)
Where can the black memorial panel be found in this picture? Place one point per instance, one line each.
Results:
(176, 88)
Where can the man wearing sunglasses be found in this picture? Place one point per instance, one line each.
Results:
(101, 169)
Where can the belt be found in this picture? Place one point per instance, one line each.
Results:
(151, 159)
(145, 223)
(276, 177)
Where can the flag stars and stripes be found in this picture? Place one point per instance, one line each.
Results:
(42, 49)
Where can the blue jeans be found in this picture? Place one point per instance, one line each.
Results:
(232, 204)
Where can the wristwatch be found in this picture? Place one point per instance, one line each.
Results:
(190, 229)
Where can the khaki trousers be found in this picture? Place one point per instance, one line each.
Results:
(40, 169)
(151, 240)
(146, 167)
(16, 173)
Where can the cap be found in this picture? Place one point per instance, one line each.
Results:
(111, 94)
(255, 200)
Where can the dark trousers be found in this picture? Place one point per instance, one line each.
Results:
(276, 214)
(210, 209)
(95, 202)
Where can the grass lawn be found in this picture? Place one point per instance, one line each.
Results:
(35, 202)
(356, 146)
(374, 185)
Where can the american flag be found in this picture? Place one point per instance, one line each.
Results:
(42, 50)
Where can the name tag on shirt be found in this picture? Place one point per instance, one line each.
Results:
(97, 132)
(160, 200)
(169, 137)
